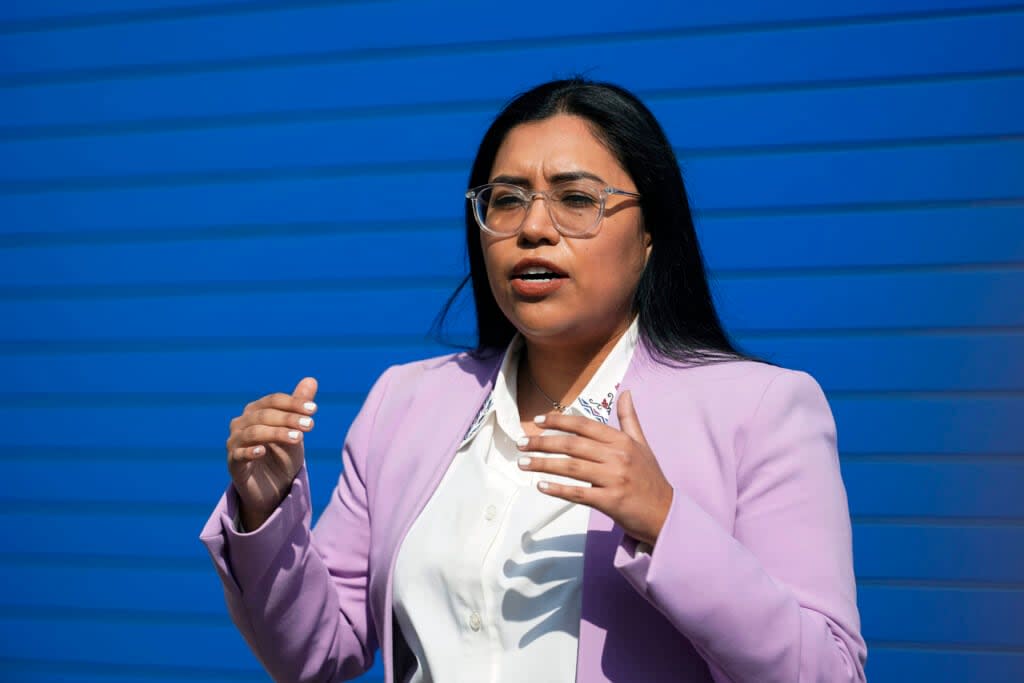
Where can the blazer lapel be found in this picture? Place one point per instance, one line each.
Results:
(606, 594)
(438, 416)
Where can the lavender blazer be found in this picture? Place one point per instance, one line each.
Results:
(751, 579)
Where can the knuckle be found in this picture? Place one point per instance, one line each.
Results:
(253, 433)
(245, 435)
(563, 444)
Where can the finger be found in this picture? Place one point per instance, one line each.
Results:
(248, 454)
(272, 417)
(577, 424)
(286, 402)
(574, 468)
(576, 494)
(255, 435)
(567, 444)
(305, 390)
(628, 419)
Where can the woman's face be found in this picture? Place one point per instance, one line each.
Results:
(592, 298)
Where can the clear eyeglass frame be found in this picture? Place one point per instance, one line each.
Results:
(474, 195)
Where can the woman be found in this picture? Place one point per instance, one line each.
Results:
(674, 512)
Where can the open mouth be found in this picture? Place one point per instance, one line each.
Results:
(537, 274)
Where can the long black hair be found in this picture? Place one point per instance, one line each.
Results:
(677, 317)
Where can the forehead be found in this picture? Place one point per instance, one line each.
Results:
(560, 144)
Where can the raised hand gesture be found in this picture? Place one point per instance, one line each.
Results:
(265, 449)
(627, 483)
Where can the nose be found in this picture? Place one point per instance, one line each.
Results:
(538, 226)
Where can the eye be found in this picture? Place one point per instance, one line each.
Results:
(577, 199)
(505, 199)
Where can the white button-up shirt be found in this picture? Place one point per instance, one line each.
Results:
(488, 581)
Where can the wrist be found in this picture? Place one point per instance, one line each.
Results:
(251, 517)
(251, 521)
(650, 539)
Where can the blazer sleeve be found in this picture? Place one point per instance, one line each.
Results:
(299, 597)
(774, 598)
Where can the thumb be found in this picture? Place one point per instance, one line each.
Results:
(305, 389)
(628, 419)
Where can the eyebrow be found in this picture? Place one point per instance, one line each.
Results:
(565, 177)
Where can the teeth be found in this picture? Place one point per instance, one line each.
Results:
(536, 270)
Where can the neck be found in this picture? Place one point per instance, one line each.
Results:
(561, 371)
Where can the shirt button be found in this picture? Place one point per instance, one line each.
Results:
(475, 622)
(491, 512)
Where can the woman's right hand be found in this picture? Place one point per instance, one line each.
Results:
(265, 450)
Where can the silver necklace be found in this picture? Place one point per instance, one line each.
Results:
(555, 404)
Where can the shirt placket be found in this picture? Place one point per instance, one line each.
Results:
(480, 613)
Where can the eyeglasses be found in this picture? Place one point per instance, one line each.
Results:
(575, 207)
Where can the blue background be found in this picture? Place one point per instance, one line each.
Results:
(202, 202)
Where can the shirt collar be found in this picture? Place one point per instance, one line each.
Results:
(596, 401)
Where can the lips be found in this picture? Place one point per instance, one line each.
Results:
(533, 278)
(534, 269)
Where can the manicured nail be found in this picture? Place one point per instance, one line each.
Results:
(525, 462)
(305, 421)
(293, 435)
(522, 441)
(258, 450)
(309, 406)
(540, 419)
(543, 486)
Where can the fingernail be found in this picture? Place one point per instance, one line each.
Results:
(258, 450)
(293, 435)
(309, 406)
(525, 462)
(305, 421)
(522, 441)
(540, 419)
(543, 486)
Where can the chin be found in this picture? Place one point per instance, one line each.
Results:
(570, 328)
(530, 326)
(558, 329)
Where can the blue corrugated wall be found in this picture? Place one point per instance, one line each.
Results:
(201, 202)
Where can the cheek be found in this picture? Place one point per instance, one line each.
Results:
(492, 253)
(612, 270)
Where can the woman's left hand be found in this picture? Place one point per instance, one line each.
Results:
(626, 482)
